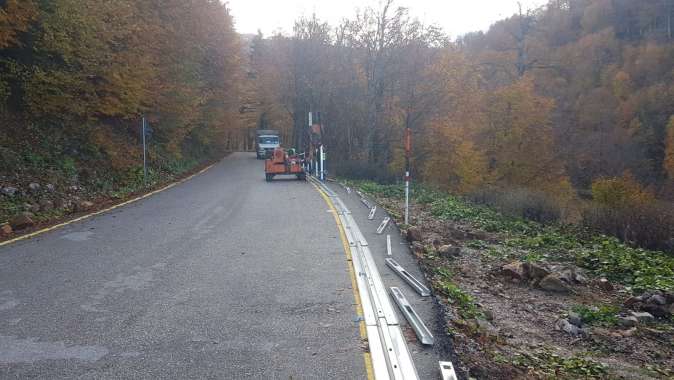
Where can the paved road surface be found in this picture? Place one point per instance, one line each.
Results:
(224, 276)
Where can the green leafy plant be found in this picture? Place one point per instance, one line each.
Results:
(549, 365)
(604, 315)
(464, 302)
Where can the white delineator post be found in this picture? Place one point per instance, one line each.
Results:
(407, 197)
(322, 158)
(408, 151)
(313, 161)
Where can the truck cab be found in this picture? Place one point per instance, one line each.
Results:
(267, 141)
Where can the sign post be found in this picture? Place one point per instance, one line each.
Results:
(143, 131)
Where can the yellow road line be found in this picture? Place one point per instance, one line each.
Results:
(40, 232)
(354, 284)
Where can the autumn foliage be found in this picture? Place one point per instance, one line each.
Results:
(555, 102)
(91, 69)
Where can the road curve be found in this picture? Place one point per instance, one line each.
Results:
(223, 276)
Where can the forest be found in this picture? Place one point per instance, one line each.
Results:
(561, 113)
(78, 76)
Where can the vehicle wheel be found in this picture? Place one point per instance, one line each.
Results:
(302, 177)
(268, 177)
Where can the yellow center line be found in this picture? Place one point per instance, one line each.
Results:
(354, 284)
(40, 232)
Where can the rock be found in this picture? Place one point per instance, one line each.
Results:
(535, 271)
(567, 276)
(643, 317)
(5, 229)
(581, 279)
(488, 314)
(629, 332)
(476, 235)
(61, 203)
(514, 270)
(632, 302)
(414, 234)
(669, 296)
(417, 248)
(9, 191)
(31, 207)
(46, 205)
(659, 311)
(657, 299)
(571, 276)
(575, 319)
(50, 187)
(449, 251)
(34, 187)
(433, 239)
(553, 283)
(567, 327)
(83, 206)
(23, 220)
(628, 321)
(604, 284)
(486, 328)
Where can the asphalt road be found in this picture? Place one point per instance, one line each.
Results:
(224, 276)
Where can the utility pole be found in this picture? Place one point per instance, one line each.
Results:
(144, 152)
(408, 151)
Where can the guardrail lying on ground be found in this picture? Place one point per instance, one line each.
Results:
(391, 358)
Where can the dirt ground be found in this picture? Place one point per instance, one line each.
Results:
(509, 327)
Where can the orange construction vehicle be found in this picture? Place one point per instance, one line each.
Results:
(284, 162)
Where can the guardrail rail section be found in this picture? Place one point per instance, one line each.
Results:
(391, 358)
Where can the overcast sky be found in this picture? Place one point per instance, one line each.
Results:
(456, 17)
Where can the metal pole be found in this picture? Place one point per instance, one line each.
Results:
(144, 155)
(322, 163)
(408, 151)
(407, 198)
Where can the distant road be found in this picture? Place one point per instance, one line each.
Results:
(224, 276)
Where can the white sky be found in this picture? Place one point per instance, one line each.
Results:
(456, 17)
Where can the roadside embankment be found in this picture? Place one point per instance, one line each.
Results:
(527, 300)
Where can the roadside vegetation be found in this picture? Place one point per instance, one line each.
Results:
(540, 300)
(76, 79)
(605, 256)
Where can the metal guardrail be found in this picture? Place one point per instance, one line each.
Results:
(373, 211)
(391, 358)
(423, 333)
(411, 280)
(383, 225)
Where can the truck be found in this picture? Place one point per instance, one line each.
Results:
(265, 142)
